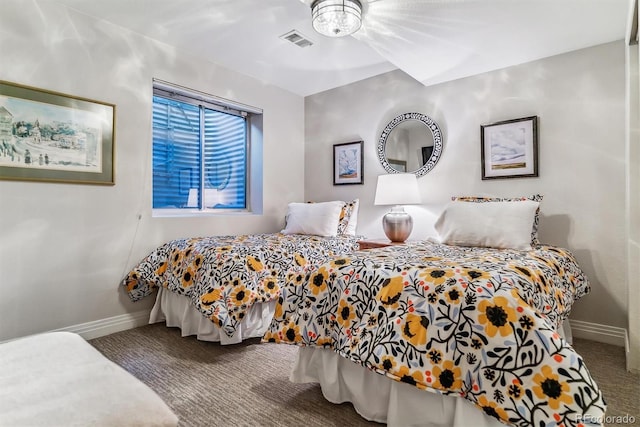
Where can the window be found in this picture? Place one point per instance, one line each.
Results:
(201, 152)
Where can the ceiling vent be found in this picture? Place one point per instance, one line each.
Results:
(295, 37)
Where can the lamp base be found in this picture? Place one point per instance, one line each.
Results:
(397, 224)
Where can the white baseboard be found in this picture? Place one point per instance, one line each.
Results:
(98, 328)
(599, 333)
(110, 325)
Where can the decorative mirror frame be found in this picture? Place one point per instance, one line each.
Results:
(430, 124)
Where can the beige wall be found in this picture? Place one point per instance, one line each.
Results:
(63, 247)
(579, 98)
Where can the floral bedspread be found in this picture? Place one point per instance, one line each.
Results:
(472, 322)
(225, 275)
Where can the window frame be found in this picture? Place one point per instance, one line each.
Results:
(253, 146)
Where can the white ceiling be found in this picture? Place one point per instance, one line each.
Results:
(431, 40)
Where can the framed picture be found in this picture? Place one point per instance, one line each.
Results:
(53, 137)
(509, 149)
(426, 154)
(399, 165)
(348, 163)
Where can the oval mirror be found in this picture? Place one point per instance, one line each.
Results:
(411, 142)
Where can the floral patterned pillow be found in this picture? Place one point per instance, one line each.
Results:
(349, 218)
(535, 198)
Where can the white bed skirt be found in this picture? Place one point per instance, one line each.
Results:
(177, 311)
(381, 399)
(378, 398)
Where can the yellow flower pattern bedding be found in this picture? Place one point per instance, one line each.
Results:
(225, 275)
(472, 322)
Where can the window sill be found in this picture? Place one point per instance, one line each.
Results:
(188, 213)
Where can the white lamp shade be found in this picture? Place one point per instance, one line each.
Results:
(397, 189)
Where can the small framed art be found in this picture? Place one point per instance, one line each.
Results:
(509, 149)
(53, 137)
(348, 163)
(399, 165)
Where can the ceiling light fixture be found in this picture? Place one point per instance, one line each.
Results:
(336, 18)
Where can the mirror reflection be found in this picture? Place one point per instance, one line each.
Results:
(409, 146)
(411, 142)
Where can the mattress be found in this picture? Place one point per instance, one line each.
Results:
(224, 276)
(476, 323)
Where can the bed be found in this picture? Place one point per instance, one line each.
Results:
(443, 334)
(224, 288)
(58, 379)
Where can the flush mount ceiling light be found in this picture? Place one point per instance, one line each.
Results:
(336, 18)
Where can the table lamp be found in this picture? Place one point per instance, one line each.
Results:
(397, 189)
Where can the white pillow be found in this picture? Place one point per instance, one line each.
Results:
(494, 225)
(320, 219)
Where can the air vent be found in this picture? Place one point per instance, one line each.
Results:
(295, 37)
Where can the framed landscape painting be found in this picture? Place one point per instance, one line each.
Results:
(53, 137)
(347, 163)
(509, 149)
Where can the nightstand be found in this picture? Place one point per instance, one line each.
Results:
(372, 244)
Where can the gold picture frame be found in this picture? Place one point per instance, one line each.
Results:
(49, 136)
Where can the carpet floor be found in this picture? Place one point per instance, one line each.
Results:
(247, 384)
